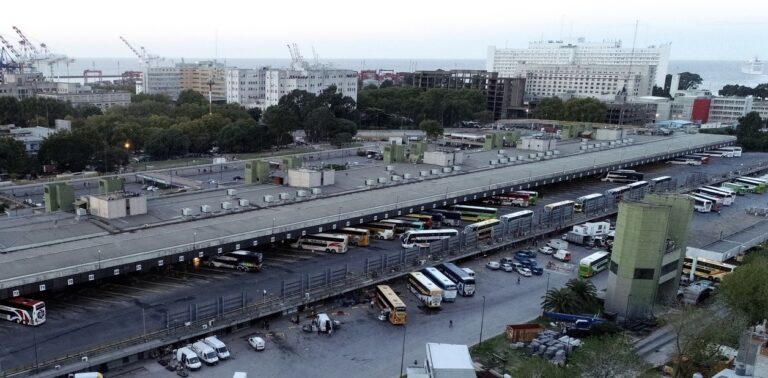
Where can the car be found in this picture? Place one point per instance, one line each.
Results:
(493, 265)
(536, 270)
(546, 250)
(507, 267)
(507, 260)
(256, 343)
(517, 265)
(521, 259)
(529, 263)
(237, 178)
(526, 254)
(524, 272)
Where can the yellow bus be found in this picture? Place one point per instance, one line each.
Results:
(391, 305)
(425, 290)
(382, 231)
(707, 269)
(358, 236)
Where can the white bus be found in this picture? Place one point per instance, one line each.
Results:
(594, 263)
(382, 231)
(523, 214)
(727, 152)
(425, 290)
(736, 150)
(660, 180)
(558, 205)
(623, 175)
(700, 204)
(423, 238)
(331, 243)
(582, 201)
(23, 311)
(360, 237)
(403, 225)
(617, 194)
(728, 197)
(465, 283)
(443, 282)
(717, 202)
(483, 229)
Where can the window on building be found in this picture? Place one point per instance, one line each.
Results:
(614, 267)
(643, 274)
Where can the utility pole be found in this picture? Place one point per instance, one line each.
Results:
(210, 96)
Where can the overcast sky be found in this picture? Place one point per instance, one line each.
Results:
(383, 29)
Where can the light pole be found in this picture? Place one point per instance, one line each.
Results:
(482, 319)
(402, 354)
(144, 323)
(99, 253)
(548, 274)
(273, 225)
(194, 240)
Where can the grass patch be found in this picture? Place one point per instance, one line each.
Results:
(496, 353)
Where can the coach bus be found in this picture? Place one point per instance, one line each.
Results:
(428, 219)
(330, 243)
(450, 218)
(707, 269)
(360, 237)
(475, 213)
(484, 229)
(425, 290)
(704, 159)
(684, 161)
(623, 175)
(552, 207)
(736, 150)
(465, 284)
(381, 231)
(23, 311)
(423, 238)
(719, 191)
(392, 307)
(533, 196)
(700, 204)
(617, 194)
(594, 263)
(717, 202)
(241, 260)
(510, 199)
(522, 214)
(580, 202)
(738, 187)
(663, 180)
(760, 185)
(449, 287)
(402, 225)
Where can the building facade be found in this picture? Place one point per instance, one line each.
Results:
(102, 100)
(160, 80)
(648, 252)
(197, 76)
(728, 110)
(603, 82)
(246, 86)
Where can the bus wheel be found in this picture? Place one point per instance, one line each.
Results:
(328, 251)
(381, 237)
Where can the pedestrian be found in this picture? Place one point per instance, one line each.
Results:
(371, 304)
(718, 212)
(450, 324)
(518, 280)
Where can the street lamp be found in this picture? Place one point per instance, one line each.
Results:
(548, 274)
(402, 354)
(99, 253)
(482, 319)
(194, 240)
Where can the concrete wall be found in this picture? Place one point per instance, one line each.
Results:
(609, 134)
(304, 178)
(538, 144)
(138, 205)
(116, 207)
(444, 159)
(110, 185)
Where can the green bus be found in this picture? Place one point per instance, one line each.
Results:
(475, 213)
(760, 185)
(738, 188)
(532, 196)
(594, 263)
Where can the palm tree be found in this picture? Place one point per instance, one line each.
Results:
(586, 293)
(560, 300)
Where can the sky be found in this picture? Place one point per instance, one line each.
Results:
(398, 29)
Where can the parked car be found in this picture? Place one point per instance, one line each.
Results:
(521, 259)
(526, 253)
(546, 250)
(507, 267)
(529, 263)
(256, 343)
(537, 271)
(517, 265)
(493, 265)
(507, 260)
(524, 272)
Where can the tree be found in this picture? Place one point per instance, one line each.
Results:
(341, 139)
(561, 300)
(431, 127)
(584, 110)
(549, 108)
(70, 151)
(189, 96)
(745, 290)
(162, 98)
(748, 132)
(244, 136)
(255, 113)
(319, 124)
(386, 84)
(537, 367)
(167, 143)
(689, 80)
(608, 357)
(280, 121)
(13, 157)
(586, 292)
(88, 110)
(660, 92)
(299, 102)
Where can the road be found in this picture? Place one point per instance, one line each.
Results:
(120, 307)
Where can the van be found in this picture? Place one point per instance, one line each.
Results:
(218, 346)
(562, 255)
(188, 358)
(557, 244)
(205, 352)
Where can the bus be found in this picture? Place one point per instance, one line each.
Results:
(718, 191)
(715, 153)
(717, 203)
(392, 307)
(448, 286)
(382, 231)
(739, 188)
(736, 150)
(23, 311)
(552, 207)
(663, 180)
(594, 263)
(760, 185)
(465, 284)
(423, 238)
(330, 243)
(684, 161)
(510, 199)
(360, 237)
(727, 152)
(707, 269)
(402, 225)
(475, 213)
(428, 219)
(522, 214)
(700, 204)
(484, 229)
(450, 218)
(241, 260)
(623, 175)
(532, 196)
(425, 290)
(580, 202)
(616, 194)
(704, 159)
(425, 220)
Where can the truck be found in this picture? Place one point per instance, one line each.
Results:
(205, 353)
(574, 321)
(579, 238)
(593, 228)
(562, 255)
(557, 244)
(187, 358)
(322, 323)
(221, 349)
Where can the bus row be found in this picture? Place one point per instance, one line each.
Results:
(615, 195)
(432, 286)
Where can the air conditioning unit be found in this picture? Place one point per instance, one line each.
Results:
(370, 182)
(424, 173)
(456, 168)
(284, 196)
(407, 176)
(316, 191)
(269, 198)
(231, 192)
(205, 209)
(396, 178)
(244, 202)
(434, 171)
(84, 359)
(226, 205)
(186, 211)
(447, 169)
(382, 180)
(301, 193)
(390, 168)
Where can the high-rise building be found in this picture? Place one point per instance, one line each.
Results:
(160, 80)
(603, 82)
(197, 76)
(648, 252)
(246, 86)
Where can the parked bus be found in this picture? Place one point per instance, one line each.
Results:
(484, 229)
(423, 238)
(522, 214)
(715, 153)
(736, 150)
(707, 269)
(330, 243)
(704, 159)
(533, 196)
(617, 194)
(23, 311)
(392, 307)
(475, 213)
(425, 220)
(623, 175)
(425, 290)
(439, 279)
(594, 263)
(684, 161)
(726, 198)
(717, 203)
(739, 188)
(660, 180)
(700, 204)
(580, 202)
(382, 231)
(241, 260)
(360, 237)
(450, 218)
(465, 283)
(552, 207)
(760, 185)
(727, 152)
(402, 225)
(510, 199)
(428, 219)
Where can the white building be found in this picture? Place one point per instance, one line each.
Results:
(444, 360)
(160, 80)
(603, 82)
(512, 62)
(102, 100)
(33, 137)
(729, 109)
(246, 86)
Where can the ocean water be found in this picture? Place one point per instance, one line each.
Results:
(715, 73)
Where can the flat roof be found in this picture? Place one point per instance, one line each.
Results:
(449, 356)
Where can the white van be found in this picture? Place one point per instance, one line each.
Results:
(562, 255)
(188, 358)
(205, 352)
(218, 346)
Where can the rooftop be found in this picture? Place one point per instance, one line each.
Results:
(449, 356)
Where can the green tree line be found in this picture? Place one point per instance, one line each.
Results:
(761, 90)
(575, 109)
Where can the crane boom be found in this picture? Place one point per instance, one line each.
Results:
(9, 47)
(136, 52)
(26, 40)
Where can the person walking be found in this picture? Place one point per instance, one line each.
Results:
(450, 324)
(518, 280)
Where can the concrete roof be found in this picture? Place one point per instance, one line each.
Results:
(449, 356)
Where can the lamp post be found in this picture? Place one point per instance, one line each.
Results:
(194, 240)
(482, 319)
(548, 274)
(402, 354)
(99, 253)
